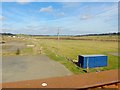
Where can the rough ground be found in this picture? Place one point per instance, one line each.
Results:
(12, 46)
(18, 68)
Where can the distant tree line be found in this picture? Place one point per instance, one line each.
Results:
(102, 34)
(39, 35)
(118, 33)
(8, 34)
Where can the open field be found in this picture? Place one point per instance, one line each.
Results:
(73, 48)
(94, 38)
(69, 48)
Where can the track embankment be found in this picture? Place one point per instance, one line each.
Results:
(103, 79)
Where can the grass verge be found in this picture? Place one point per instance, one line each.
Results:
(77, 70)
(69, 65)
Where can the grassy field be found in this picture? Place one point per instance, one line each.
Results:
(73, 48)
(69, 48)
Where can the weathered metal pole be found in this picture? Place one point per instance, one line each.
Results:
(58, 39)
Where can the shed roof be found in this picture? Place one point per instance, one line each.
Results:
(93, 55)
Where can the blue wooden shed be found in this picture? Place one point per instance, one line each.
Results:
(92, 61)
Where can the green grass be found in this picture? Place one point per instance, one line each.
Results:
(72, 67)
(27, 51)
(73, 48)
(59, 50)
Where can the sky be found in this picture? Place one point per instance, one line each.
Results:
(71, 18)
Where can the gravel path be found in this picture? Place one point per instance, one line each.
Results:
(18, 68)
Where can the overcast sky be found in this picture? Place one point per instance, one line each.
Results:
(71, 17)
